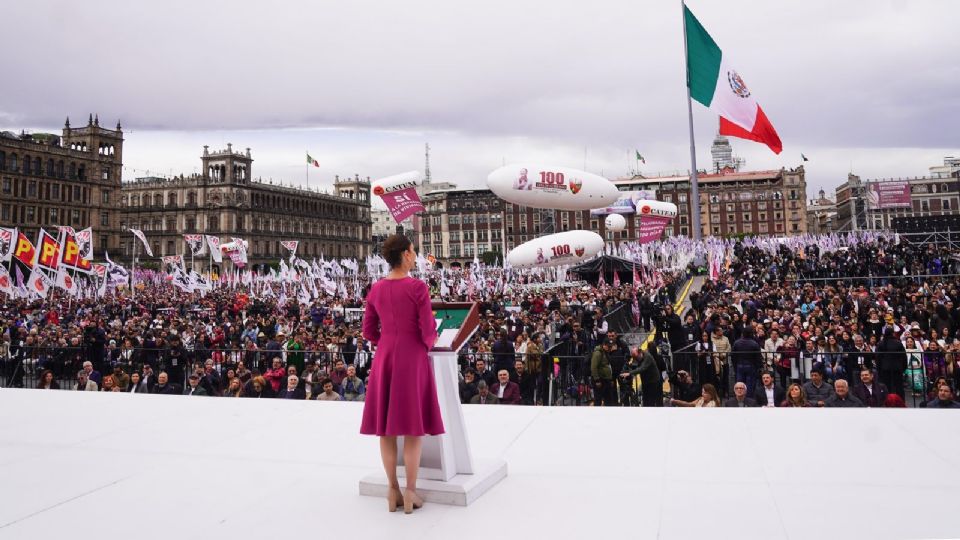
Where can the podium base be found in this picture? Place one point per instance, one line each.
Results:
(461, 490)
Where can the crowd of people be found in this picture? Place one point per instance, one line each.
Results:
(873, 322)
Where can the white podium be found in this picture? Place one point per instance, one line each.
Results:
(448, 472)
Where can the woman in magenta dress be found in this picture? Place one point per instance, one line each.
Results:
(401, 396)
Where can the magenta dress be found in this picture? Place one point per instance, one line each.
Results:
(402, 393)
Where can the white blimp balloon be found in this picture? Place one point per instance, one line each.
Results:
(554, 249)
(656, 208)
(395, 182)
(615, 223)
(562, 188)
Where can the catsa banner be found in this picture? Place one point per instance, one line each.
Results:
(403, 203)
(7, 237)
(213, 242)
(651, 228)
(143, 239)
(195, 243)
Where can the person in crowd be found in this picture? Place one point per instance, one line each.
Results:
(768, 393)
(109, 384)
(721, 344)
(747, 358)
(483, 373)
(944, 399)
(795, 397)
(136, 384)
(258, 387)
(602, 374)
(817, 390)
(84, 383)
(708, 398)
(163, 385)
(47, 381)
(292, 390)
(328, 394)
(892, 361)
(507, 391)
(193, 386)
(484, 397)
(352, 388)
(276, 374)
(235, 389)
(525, 381)
(93, 374)
(740, 397)
(870, 392)
(842, 397)
(468, 386)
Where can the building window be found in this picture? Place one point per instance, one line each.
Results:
(945, 204)
(105, 196)
(31, 214)
(104, 219)
(5, 212)
(730, 208)
(54, 192)
(731, 218)
(778, 227)
(764, 228)
(7, 186)
(682, 197)
(715, 218)
(31, 189)
(74, 217)
(763, 216)
(105, 174)
(716, 231)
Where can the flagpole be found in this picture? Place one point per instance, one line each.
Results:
(694, 186)
(133, 270)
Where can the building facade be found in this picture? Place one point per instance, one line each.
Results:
(732, 202)
(821, 214)
(72, 180)
(937, 194)
(462, 223)
(225, 200)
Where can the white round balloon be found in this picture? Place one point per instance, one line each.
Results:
(615, 223)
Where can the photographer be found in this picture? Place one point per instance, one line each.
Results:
(670, 327)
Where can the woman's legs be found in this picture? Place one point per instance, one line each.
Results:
(388, 454)
(412, 447)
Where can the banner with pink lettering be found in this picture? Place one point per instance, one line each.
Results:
(651, 228)
(403, 203)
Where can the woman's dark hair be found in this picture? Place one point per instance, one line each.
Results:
(393, 249)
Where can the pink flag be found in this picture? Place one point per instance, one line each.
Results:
(651, 228)
(403, 203)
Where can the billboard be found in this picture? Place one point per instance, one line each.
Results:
(626, 204)
(882, 195)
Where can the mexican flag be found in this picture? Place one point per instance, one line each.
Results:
(311, 161)
(715, 83)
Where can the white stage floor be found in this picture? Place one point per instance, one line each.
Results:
(77, 464)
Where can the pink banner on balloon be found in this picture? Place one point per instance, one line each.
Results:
(651, 228)
(403, 203)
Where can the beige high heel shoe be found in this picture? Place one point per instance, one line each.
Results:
(394, 499)
(411, 501)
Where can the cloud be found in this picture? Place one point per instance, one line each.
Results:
(487, 79)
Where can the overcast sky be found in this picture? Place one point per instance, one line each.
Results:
(870, 86)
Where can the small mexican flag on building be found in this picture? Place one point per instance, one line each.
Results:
(716, 84)
(311, 161)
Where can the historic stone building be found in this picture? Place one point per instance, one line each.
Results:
(225, 200)
(72, 179)
(732, 202)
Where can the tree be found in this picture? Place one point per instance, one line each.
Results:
(490, 258)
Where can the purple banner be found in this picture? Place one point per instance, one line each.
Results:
(403, 203)
(883, 195)
(651, 228)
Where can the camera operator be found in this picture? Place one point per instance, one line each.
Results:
(602, 374)
(683, 387)
(669, 326)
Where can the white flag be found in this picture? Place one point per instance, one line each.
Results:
(213, 242)
(39, 283)
(139, 234)
(66, 282)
